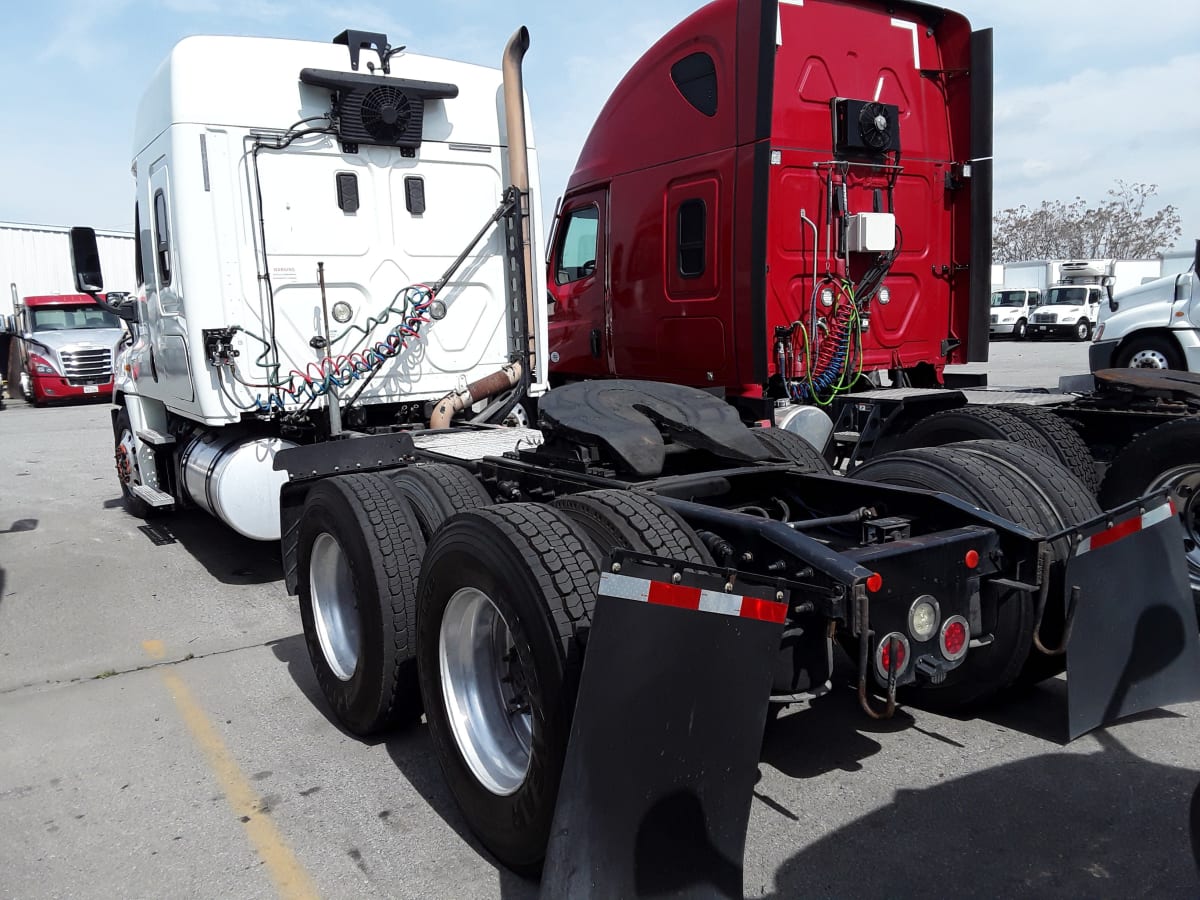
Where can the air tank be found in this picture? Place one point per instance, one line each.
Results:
(233, 477)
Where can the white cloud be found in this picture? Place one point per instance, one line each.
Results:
(1076, 136)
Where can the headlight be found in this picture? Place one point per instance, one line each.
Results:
(41, 365)
(1067, 320)
(923, 618)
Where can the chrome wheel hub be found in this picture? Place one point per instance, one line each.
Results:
(334, 606)
(485, 691)
(1148, 359)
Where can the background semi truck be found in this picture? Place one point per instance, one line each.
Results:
(1153, 326)
(63, 348)
(339, 300)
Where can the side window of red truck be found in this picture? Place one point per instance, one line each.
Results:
(692, 237)
(577, 247)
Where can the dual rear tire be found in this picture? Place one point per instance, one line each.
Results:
(477, 614)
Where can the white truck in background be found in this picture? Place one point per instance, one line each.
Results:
(1012, 310)
(1071, 307)
(1153, 326)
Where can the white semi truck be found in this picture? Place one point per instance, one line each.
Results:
(339, 300)
(1153, 326)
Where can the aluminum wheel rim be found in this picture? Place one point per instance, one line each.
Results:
(1184, 484)
(484, 692)
(1148, 359)
(334, 606)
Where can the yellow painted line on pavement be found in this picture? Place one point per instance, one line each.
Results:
(291, 881)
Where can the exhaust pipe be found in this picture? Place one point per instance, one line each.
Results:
(455, 402)
(518, 162)
(488, 386)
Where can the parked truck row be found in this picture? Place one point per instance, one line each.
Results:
(339, 341)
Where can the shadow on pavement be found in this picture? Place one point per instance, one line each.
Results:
(228, 557)
(412, 751)
(1061, 825)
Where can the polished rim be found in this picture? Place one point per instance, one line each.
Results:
(1149, 359)
(1184, 484)
(334, 606)
(1083, 329)
(127, 459)
(484, 686)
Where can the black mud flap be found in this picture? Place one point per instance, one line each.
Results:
(1132, 643)
(665, 742)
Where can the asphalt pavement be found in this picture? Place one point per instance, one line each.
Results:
(161, 735)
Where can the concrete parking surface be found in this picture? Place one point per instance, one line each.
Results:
(161, 735)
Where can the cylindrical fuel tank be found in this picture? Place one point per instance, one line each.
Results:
(232, 476)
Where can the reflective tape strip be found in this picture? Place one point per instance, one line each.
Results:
(662, 593)
(1146, 520)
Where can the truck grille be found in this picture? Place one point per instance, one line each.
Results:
(87, 366)
(1046, 318)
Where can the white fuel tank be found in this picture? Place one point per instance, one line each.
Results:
(232, 476)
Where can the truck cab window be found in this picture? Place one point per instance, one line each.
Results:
(692, 236)
(162, 239)
(577, 248)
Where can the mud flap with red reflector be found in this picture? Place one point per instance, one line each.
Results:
(1132, 644)
(663, 756)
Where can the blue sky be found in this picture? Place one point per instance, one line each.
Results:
(1086, 92)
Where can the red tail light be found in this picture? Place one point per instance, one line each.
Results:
(955, 637)
(883, 654)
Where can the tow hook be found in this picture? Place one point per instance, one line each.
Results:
(932, 669)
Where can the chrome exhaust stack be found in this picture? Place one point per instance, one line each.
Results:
(518, 164)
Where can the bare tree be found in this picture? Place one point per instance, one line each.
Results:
(1120, 227)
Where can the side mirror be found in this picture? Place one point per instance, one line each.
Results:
(85, 258)
(1108, 281)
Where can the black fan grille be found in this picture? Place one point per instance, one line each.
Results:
(875, 126)
(381, 115)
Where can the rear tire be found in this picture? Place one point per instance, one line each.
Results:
(523, 573)
(359, 554)
(1069, 448)
(438, 491)
(974, 423)
(614, 519)
(1060, 501)
(1165, 456)
(784, 445)
(1008, 613)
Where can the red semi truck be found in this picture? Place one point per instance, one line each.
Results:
(63, 348)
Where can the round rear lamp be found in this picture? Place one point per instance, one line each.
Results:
(885, 296)
(894, 642)
(955, 638)
(827, 297)
(923, 618)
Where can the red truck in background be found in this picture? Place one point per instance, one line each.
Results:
(63, 348)
(761, 212)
